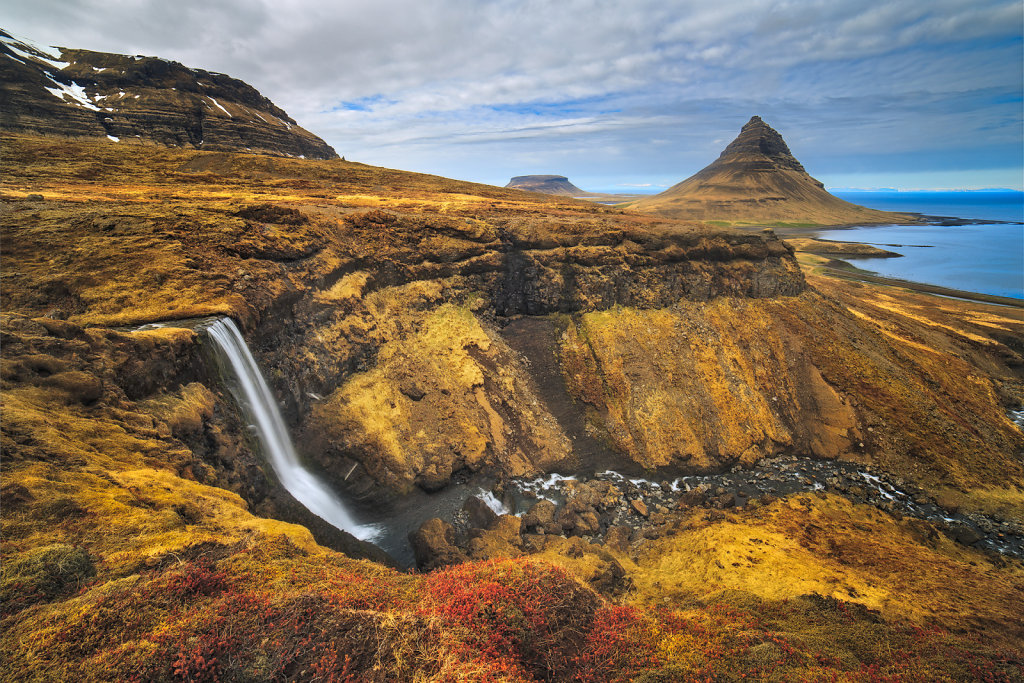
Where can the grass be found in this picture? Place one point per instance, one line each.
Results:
(126, 559)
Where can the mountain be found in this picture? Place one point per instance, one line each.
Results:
(80, 93)
(758, 180)
(546, 184)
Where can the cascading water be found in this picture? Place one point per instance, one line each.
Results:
(258, 405)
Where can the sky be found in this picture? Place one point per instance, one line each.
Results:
(620, 96)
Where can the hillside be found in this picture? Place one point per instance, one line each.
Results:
(757, 180)
(423, 335)
(545, 184)
(136, 99)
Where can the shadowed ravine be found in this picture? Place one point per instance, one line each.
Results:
(534, 337)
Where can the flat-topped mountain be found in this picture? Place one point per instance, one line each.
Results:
(80, 93)
(758, 180)
(547, 184)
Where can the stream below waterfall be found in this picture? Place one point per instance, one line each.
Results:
(777, 476)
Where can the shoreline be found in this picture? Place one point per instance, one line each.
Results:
(837, 267)
(840, 269)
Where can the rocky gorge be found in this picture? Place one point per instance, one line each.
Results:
(422, 334)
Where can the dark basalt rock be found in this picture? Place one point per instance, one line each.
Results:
(80, 93)
(434, 545)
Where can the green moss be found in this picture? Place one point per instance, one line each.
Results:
(43, 574)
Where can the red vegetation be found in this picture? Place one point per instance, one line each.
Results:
(271, 614)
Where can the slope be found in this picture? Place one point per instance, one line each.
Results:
(757, 180)
(80, 93)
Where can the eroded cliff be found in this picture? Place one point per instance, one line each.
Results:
(418, 330)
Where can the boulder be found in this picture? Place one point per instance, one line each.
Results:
(540, 514)
(580, 497)
(480, 515)
(610, 578)
(639, 507)
(963, 533)
(433, 545)
(617, 538)
(587, 523)
(694, 497)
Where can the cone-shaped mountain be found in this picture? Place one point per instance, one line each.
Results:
(757, 179)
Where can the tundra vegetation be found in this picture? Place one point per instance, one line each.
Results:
(143, 539)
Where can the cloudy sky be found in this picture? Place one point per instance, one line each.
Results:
(614, 94)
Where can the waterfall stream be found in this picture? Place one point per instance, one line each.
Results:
(259, 407)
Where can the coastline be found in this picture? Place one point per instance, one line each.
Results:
(843, 270)
(834, 264)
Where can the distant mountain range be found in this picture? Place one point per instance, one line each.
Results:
(80, 93)
(758, 180)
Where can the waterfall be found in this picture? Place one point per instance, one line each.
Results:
(254, 397)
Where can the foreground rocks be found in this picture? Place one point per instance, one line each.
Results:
(621, 514)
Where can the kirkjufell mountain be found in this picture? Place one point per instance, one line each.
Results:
(80, 93)
(758, 180)
(546, 184)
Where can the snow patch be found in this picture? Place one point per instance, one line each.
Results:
(74, 91)
(30, 50)
(113, 139)
(218, 105)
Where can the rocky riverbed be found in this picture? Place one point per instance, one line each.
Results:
(611, 509)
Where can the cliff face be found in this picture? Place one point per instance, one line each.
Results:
(72, 93)
(671, 346)
(756, 180)
(417, 330)
(546, 184)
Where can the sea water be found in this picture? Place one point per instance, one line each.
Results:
(976, 257)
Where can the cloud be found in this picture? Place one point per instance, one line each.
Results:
(475, 88)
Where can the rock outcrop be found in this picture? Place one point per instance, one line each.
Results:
(545, 184)
(80, 93)
(757, 180)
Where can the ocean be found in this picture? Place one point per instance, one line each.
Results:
(976, 257)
